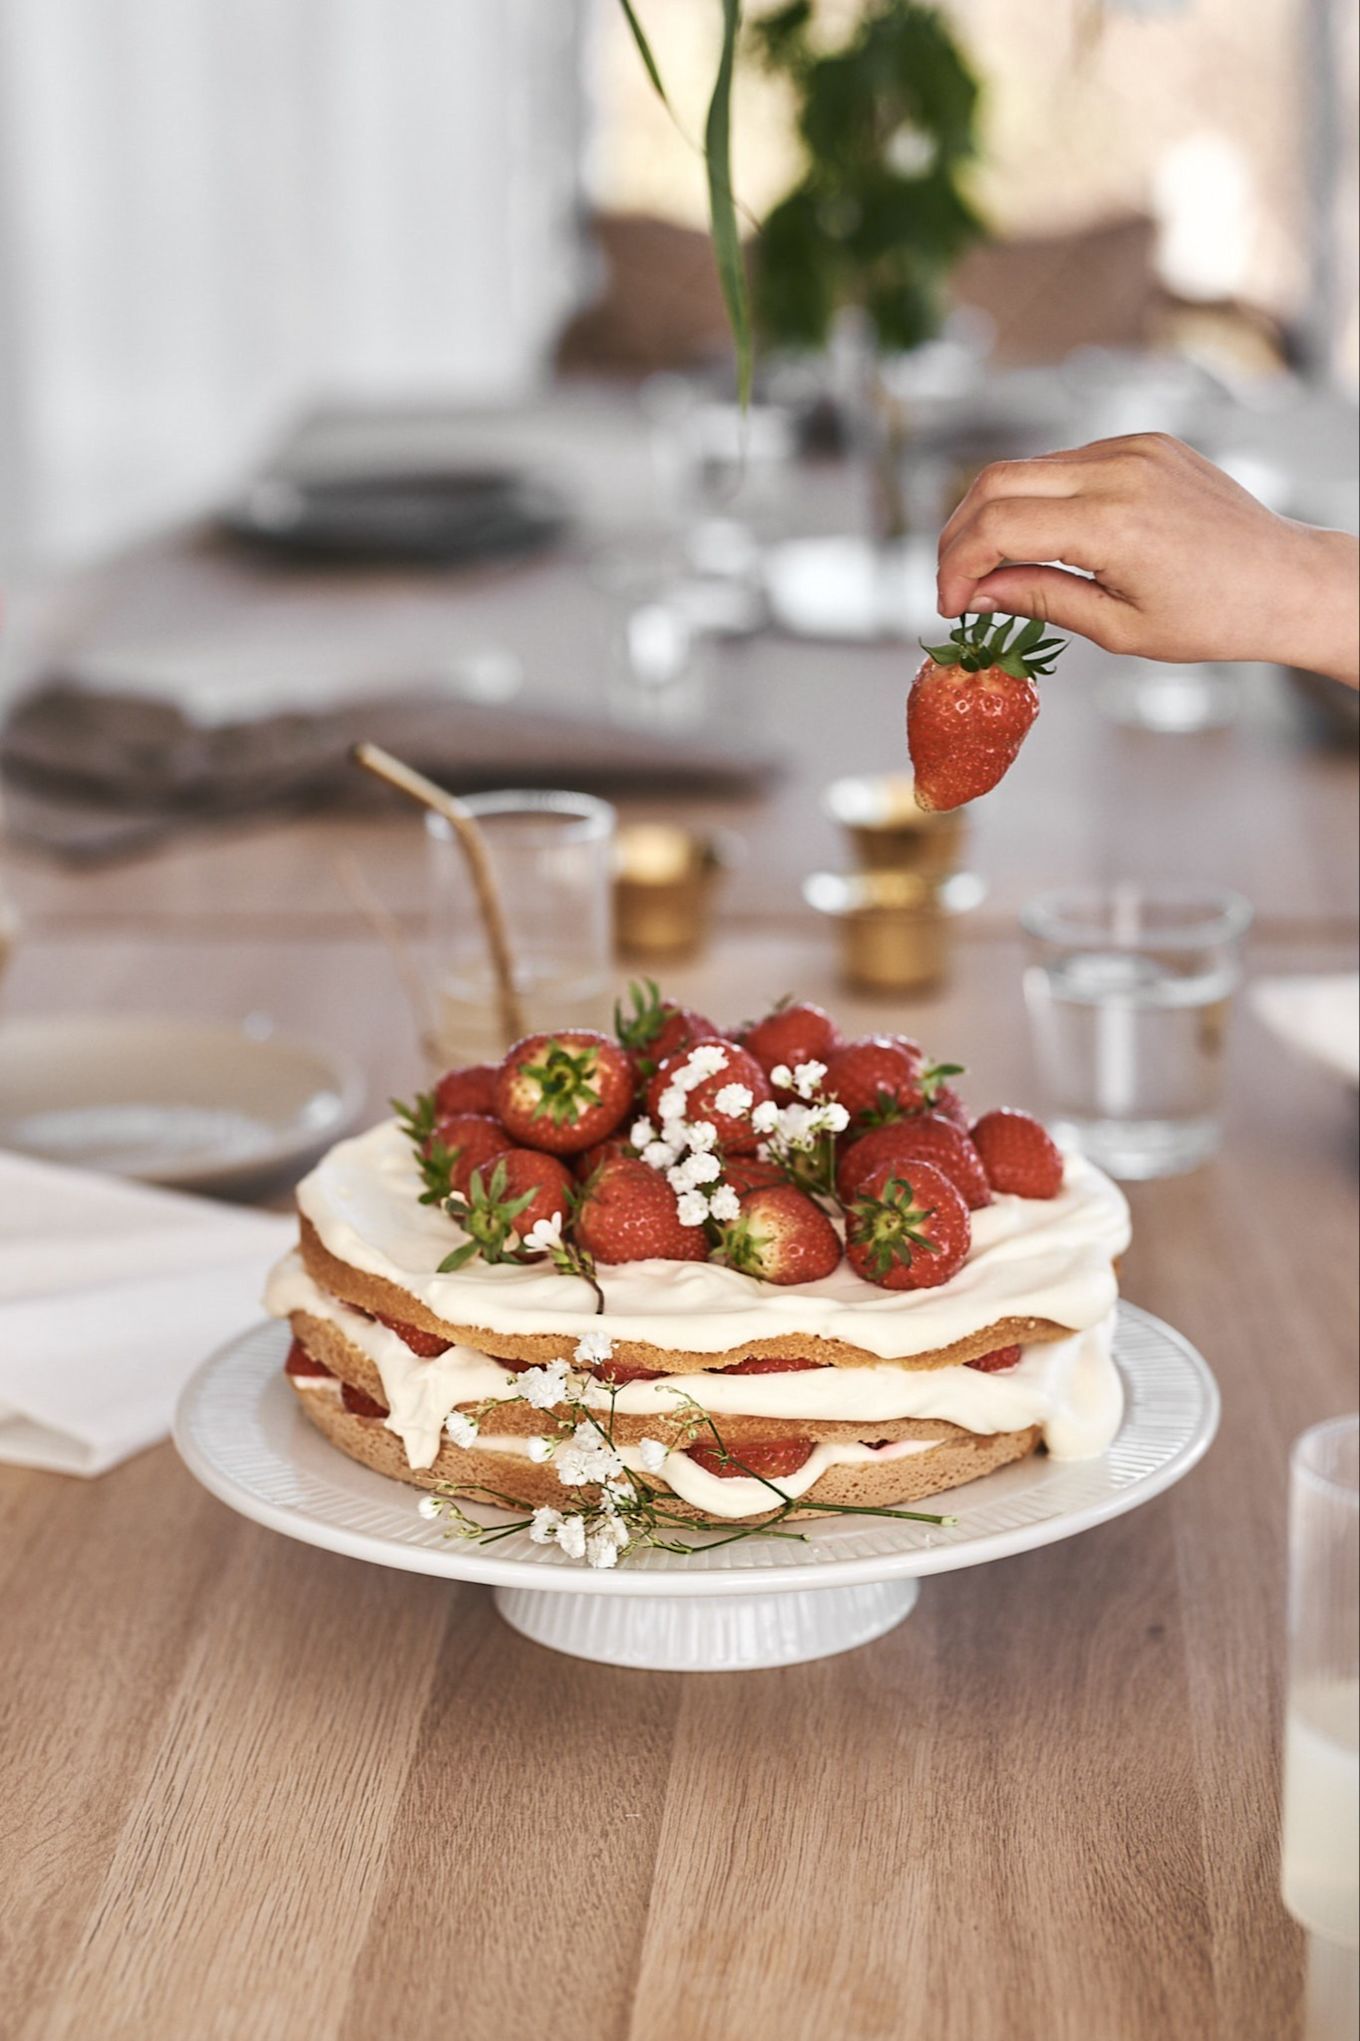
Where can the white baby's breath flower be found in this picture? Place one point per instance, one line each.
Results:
(538, 1450)
(703, 1168)
(571, 1536)
(545, 1234)
(765, 1118)
(700, 1135)
(679, 1178)
(692, 1208)
(724, 1204)
(586, 1456)
(705, 1061)
(734, 1100)
(807, 1078)
(545, 1525)
(594, 1395)
(430, 1506)
(782, 1077)
(543, 1387)
(659, 1154)
(460, 1428)
(592, 1348)
(642, 1133)
(652, 1454)
(671, 1104)
(835, 1118)
(795, 1125)
(616, 1491)
(601, 1551)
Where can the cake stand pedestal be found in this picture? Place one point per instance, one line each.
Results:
(708, 1633)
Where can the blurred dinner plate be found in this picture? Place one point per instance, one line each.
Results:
(199, 1104)
(1318, 1015)
(437, 518)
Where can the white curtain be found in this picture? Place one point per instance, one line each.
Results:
(215, 212)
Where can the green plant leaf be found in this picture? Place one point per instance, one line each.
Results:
(644, 50)
(722, 208)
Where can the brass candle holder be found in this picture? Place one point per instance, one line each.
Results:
(889, 833)
(894, 930)
(665, 878)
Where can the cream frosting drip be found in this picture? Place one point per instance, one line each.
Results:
(1030, 1258)
(1069, 1387)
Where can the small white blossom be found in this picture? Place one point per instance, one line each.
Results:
(616, 1491)
(545, 1526)
(571, 1536)
(692, 1208)
(782, 1077)
(659, 1154)
(795, 1125)
(765, 1118)
(430, 1506)
(703, 1168)
(835, 1118)
(807, 1078)
(724, 1204)
(601, 1551)
(652, 1454)
(586, 1456)
(543, 1387)
(706, 1061)
(539, 1450)
(701, 1136)
(592, 1348)
(671, 1104)
(594, 1395)
(545, 1234)
(734, 1100)
(460, 1428)
(642, 1133)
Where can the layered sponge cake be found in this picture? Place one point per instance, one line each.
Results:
(730, 1278)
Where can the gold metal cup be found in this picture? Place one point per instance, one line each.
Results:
(894, 929)
(889, 833)
(665, 877)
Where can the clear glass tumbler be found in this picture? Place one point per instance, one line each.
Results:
(1129, 988)
(552, 856)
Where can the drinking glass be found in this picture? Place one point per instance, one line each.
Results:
(1321, 1853)
(552, 856)
(1128, 989)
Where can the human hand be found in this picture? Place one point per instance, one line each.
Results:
(1186, 565)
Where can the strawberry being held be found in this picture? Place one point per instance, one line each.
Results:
(971, 706)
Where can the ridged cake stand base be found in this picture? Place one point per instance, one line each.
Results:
(708, 1633)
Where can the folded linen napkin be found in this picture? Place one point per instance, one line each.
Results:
(111, 1294)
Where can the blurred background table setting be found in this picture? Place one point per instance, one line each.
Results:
(418, 422)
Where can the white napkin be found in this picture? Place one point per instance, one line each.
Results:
(1318, 1015)
(111, 1293)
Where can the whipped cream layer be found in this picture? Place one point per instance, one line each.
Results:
(1030, 1258)
(1069, 1387)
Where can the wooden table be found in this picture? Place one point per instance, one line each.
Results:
(249, 1790)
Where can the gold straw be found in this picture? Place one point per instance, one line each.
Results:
(463, 823)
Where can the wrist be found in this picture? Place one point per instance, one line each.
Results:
(1319, 628)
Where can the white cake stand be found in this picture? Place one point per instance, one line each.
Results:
(761, 1602)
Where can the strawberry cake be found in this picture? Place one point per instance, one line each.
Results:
(737, 1276)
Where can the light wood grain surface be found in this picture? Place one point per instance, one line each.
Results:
(248, 1789)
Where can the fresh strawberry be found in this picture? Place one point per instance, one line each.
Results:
(946, 1101)
(460, 1144)
(764, 1459)
(872, 1074)
(300, 1362)
(564, 1092)
(781, 1236)
(360, 1405)
(733, 1124)
(792, 1034)
(908, 1228)
(470, 1090)
(629, 1213)
(750, 1173)
(971, 705)
(1018, 1154)
(996, 1362)
(774, 1365)
(589, 1160)
(427, 1344)
(505, 1200)
(657, 1027)
(926, 1137)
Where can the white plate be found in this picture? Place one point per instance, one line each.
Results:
(199, 1104)
(1318, 1016)
(759, 1602)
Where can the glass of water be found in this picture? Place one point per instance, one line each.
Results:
(552, 856)
(1321, 1853)
(1128, 989)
